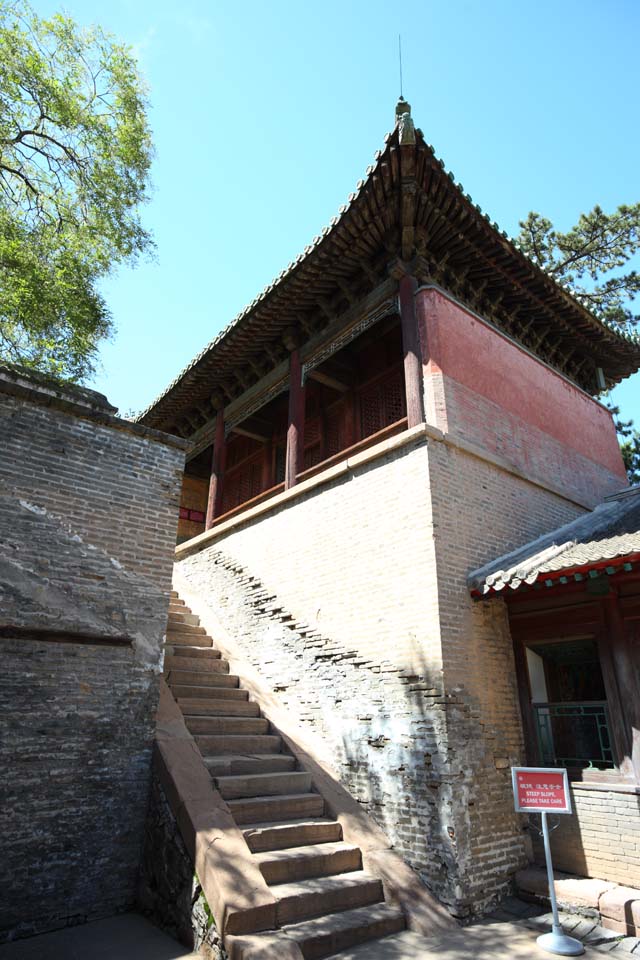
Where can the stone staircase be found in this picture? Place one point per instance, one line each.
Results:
(325, 901)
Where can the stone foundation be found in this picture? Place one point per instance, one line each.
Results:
(169, 892)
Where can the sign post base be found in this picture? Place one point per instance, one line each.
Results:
(546, 790)
(560, 943)
(557, 941)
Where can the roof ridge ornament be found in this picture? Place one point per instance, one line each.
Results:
(406, 129)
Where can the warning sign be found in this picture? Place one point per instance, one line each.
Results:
(540, 789)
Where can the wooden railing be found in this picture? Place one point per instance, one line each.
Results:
(363, 444)
(394, 428)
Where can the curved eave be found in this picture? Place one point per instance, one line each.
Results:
(358, 231)
(575, 574)
(368, 226)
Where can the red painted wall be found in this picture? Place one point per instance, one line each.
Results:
(499, 396)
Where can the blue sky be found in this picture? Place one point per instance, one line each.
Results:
(265, 115)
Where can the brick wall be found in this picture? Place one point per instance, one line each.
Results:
(479, 512)
(88, 510)
(602, 837)
(410, 682)
(484, 387)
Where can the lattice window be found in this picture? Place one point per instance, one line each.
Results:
(238, 449)
(312, 442)
(281, 460)
(242, 484)
(382, 403)
(336, 435)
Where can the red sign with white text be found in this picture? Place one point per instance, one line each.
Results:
(538, 789)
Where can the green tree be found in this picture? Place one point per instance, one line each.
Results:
(595, 257)
(75, 154)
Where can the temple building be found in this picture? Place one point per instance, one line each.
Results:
(395, 453)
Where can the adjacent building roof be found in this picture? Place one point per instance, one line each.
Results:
(408, 207)
(608, 539)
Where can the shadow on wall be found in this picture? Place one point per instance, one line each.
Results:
(599, 839)
(408, 751)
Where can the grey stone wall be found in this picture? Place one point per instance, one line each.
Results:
(169, 891)
(88, 513)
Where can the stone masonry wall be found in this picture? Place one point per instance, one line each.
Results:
(88, 513)
(169, 891)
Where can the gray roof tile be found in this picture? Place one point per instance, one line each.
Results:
(610, 532)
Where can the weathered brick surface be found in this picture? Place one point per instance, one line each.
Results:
(116, 487)
(540, 456)
(483, 386)
(88, 513)
(601, 839)
(77, 730)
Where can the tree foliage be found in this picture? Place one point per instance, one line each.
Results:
(595, 258)
(629, 439)
(75, 153)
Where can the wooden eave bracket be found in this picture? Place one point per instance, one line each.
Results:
(408, 198)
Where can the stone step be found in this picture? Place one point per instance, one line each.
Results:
(214, 746)
(194, 629)
(263, 784)
(233, 764)
(176, 604)
(183, 692)
(210, 707)
(188, 640)
(276, 836)
(297, 806)
(174, 594)
(173, 661)
(224, 725)
(180, 616)
(196, 651)
(328, 935)
(302, 863)
(306, 899)
(202, 680)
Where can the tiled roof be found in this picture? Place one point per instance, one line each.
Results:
(367, 230)
(611, 532)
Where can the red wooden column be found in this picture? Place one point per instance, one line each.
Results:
(412, 353)
(217, 471)
(295, 430)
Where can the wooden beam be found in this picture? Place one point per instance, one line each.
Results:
(295, 430)
(214, 501)
(243, 431)
(412, 352)
(328, 381)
